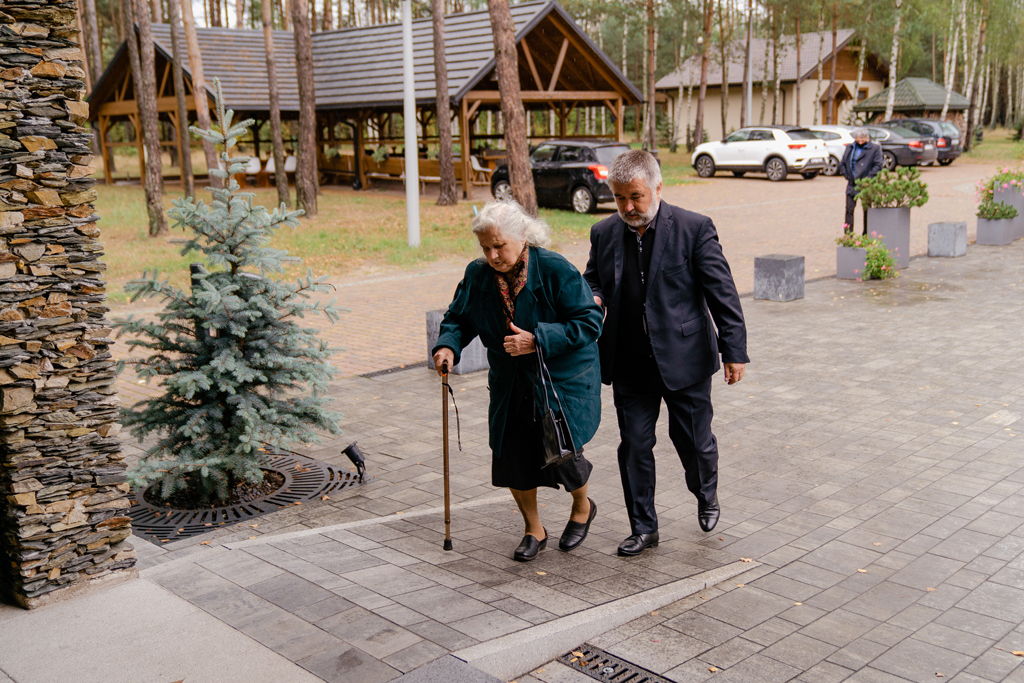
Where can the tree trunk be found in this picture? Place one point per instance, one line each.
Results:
(650, 137)
(240, 13)
(764, 75)
(188, 183)
(158, 15)
(277, 145)
(698, 125)
(327, 16)
(861, 58)
(893, 57)
(724, 34)
(199, 93)
(821, 67)
(144, 77)
(777, 22)
(745, 98)
(799, 74)
(952, 56)
(91, 40)
(507, 67)
(832, 69)
(677, 126)
(446, 195)
(975, 91)
(306, 172)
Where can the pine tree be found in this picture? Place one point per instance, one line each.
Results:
(233, 362)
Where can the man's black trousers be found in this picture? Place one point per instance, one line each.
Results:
(851, 204)
(689, 427)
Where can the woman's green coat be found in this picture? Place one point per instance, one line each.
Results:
(557, 306)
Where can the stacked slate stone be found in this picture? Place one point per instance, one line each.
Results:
(63, 491)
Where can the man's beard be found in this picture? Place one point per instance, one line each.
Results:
(639, 220)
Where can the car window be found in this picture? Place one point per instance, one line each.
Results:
(801, 134)
(905, 132)
(878, 134)
(544, 153)
(761, 135)
(606, 155)
(738, 136)
(950, 129)
(825, 135)
(570, 154)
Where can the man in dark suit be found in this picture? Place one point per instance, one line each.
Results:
(862, 159)
(661, 276)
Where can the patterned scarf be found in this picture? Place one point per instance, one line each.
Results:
(511, 283)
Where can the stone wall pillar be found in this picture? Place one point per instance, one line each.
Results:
(63, 494)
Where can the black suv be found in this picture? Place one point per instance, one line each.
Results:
(947, 136)
(567, 173)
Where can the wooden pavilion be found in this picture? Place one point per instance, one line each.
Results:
(359, 87)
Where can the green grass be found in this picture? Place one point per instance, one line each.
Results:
(998, 146)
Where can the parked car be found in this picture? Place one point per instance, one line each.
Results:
(567, 173)
(836, 139)
(773, 150)
(946, 134)
(903, 147)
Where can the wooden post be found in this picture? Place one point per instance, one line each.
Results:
(137, 126)
(357, 152)
(619, 129)
(464, 136)
(105, 151)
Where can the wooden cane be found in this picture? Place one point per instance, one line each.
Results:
(444, 431)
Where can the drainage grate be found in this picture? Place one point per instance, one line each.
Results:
(305, 479)
(596, 663)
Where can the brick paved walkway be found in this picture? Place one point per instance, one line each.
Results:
(871, 462)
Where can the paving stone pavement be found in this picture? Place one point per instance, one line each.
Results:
(872, 463)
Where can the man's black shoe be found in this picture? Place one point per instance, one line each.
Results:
(529, 548)
(708, 514)
(637, 543)
(575, 532)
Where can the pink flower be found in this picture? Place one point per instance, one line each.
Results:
(1006, 186)
(874, 234)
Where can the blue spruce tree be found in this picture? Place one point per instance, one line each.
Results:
(237, 371)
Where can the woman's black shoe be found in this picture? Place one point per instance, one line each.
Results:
(529, 548)
(575, 532)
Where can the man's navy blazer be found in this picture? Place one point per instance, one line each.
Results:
(689, 286)
(867, 166)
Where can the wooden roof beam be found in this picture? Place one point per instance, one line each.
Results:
(546, 95)
(558, 64)
(529, 60)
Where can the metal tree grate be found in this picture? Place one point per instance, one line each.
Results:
(604, 666)
(305, 479)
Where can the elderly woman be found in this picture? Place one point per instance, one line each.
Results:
(519, 297)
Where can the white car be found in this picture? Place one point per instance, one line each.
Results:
(774, 150)
(836, 139)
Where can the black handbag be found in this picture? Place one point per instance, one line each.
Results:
(557, 437)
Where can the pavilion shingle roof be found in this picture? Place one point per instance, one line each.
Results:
(361, 67)
(914, 94)
(689, 71)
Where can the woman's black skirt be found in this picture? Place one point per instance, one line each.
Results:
(518, 466)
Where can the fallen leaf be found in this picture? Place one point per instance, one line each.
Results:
(654, 613)
(740, 585)
(576, 653)
(252, 537)
(254, 526)
(798, 603)
(746, 559)
(930, 589)
(165, 540)
(541, 573)
(862, 571)
(204, 543)
(208, 524)
(325, 497)
(939, 675)
(1017, 653)
(876, 543)
(713, 669)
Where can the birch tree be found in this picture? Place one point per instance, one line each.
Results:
(276, 142)
(199, 91)
(893, 58)
(708, 10)
(306, 170)
(446, 195)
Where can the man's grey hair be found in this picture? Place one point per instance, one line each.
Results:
(635, 164)
(511, 220)
(860, 131)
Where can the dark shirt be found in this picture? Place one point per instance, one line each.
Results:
(634, 363)
(856, 153)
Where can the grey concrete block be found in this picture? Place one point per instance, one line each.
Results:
(779, 277)
(995, 232)
(474, 356)
(947, 239)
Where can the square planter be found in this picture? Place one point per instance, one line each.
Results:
(947, 239)
(996, 232)
(893, 228)
(850, 262)
(1012, 196)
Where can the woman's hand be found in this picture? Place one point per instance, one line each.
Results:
(520, 343)
(444, 360)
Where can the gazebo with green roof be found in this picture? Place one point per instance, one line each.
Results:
(915, 98)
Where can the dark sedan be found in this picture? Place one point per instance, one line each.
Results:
(947, 135)
(903, 147)
(567, 173)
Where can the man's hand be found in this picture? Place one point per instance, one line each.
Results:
(599, 301)
(444, 360)
(734, 372)
(520, 343)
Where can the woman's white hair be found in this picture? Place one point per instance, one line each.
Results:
(511, 220)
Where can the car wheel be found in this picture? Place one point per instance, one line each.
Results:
(776, 169)
(502, 191)
(705, 166)
(888, 161)
(831, 166)
(809, 175)
(945, 162)
(739, 174)
(583, 200)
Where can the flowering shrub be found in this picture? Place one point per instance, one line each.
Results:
(879, 264)
(896, 189)
(996, 210)
(1005, 179)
